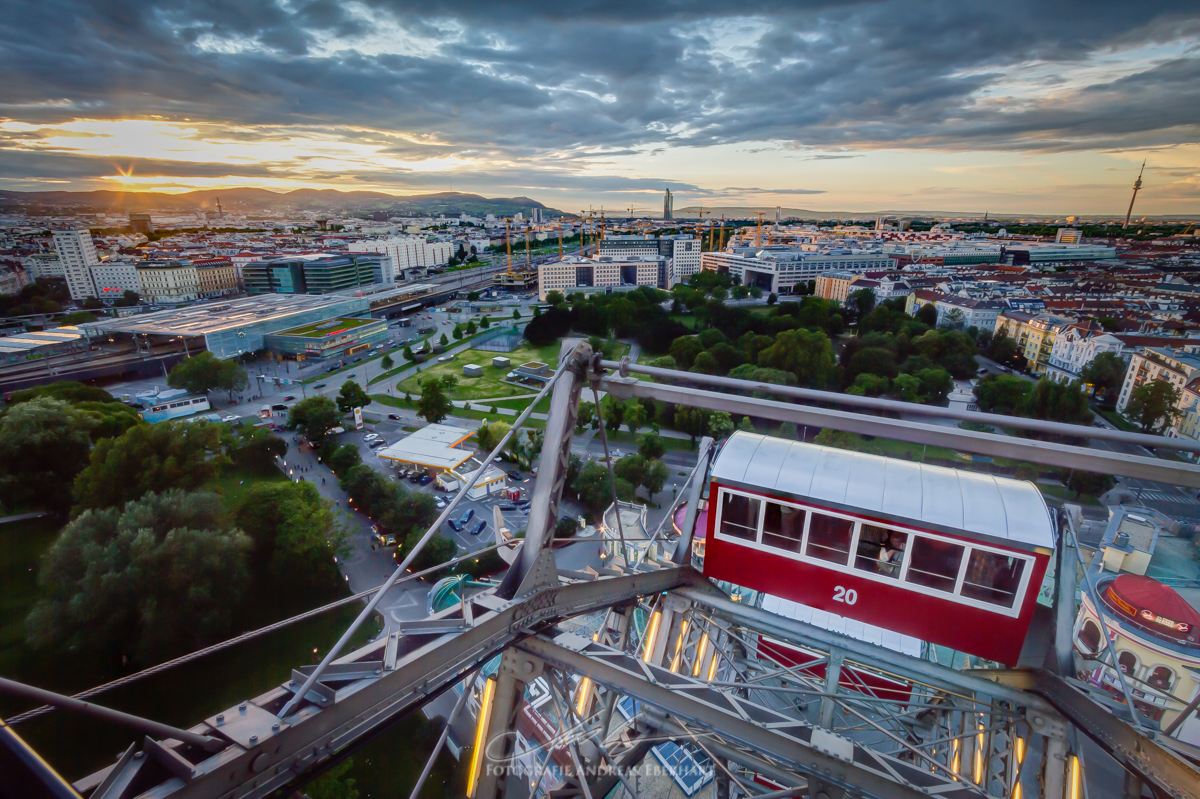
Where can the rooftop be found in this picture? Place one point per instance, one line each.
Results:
(215, 317)
(329, 327)
(433, 446)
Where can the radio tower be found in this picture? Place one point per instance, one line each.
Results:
(1137, 184)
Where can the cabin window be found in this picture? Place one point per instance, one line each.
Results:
(880, 550)
(934, 563)
(993, 577)
(1089, 636)
(783, 527)
(739, 516)
(1161, 678)
(1127, 661)
(829, 538)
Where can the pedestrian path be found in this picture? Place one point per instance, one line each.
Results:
(1163, 496)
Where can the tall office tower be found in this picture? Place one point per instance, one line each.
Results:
(77, 255)
(668, 206)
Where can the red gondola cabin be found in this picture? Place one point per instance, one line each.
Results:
(950, 557)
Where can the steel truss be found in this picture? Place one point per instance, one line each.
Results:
(845, 719)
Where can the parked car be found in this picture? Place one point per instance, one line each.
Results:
(289, 398)
(415, 476)
(455, 526)
(279, 407)
(370, 436)
(395, 416)
(320, 385)
(379, 442)
(426, 480)
(479, 527)
(233, 417)
(508, 506)
(441, 504)
(468, 514)
(983, 370)
(332, 369)
(514, 474)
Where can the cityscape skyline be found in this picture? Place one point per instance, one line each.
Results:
(881, 106)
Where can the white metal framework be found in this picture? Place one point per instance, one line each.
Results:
(778, 707)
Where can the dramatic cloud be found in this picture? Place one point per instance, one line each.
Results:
(584, 99)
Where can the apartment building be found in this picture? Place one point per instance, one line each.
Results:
(77, 254)
(169, 282)
(218, 277)
(1176, 366)
(112, 278)
(682, 252)
(407, 252)
(1034, 335)
(43, 265)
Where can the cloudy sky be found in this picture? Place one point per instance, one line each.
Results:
(1028, 106)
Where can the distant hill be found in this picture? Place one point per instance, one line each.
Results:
(742, 212)
(450, 203)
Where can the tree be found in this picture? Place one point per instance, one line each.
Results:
(872, 360)
(614, 413)
(657, 473)
(387, 362)
(907, 388)
(44, 444)
(333, 784)
(472, 296)
(772, 298)
(160, 575)
(1082, 482)
(868, 385)
(434, 405)
(343, 459)
(651, 446)
(152, 458)
(485, 323)
(631, 468)
(197, 374)
(1153, 405)
(927, 314)
(953, 320)
(720, 425)
(77, 318)
(745, 425)
(471, 328)
(314, 417)
(586, 416)
(352, 396)
(526, 445)
(692, 421)
(1059, 402)
(489, 434)
(444, 341)
(458, 332)
(936, 384)
(293, 530)
(1004, 349)
(706, 363)
(408, 353)
(254, 447)
(1105, 373)
(806, 354)
(861, 301)
(231, 377)
(635, 415)
(685, 349)
(565, 527)
(516, 313)
(1003, 394)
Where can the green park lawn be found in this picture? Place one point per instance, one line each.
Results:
(491, 383)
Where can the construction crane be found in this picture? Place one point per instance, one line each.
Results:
(528, 229)
(1137, 185)
(508, 243)
(758, 234)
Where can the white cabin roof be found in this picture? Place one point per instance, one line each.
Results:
(933, 497)
(897, 642)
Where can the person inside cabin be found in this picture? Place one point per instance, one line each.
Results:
(891, 554)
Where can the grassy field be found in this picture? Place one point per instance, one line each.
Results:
(234, 484)
(1061, 493)
(687, 320)
(1118, 420)
(490, 384)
